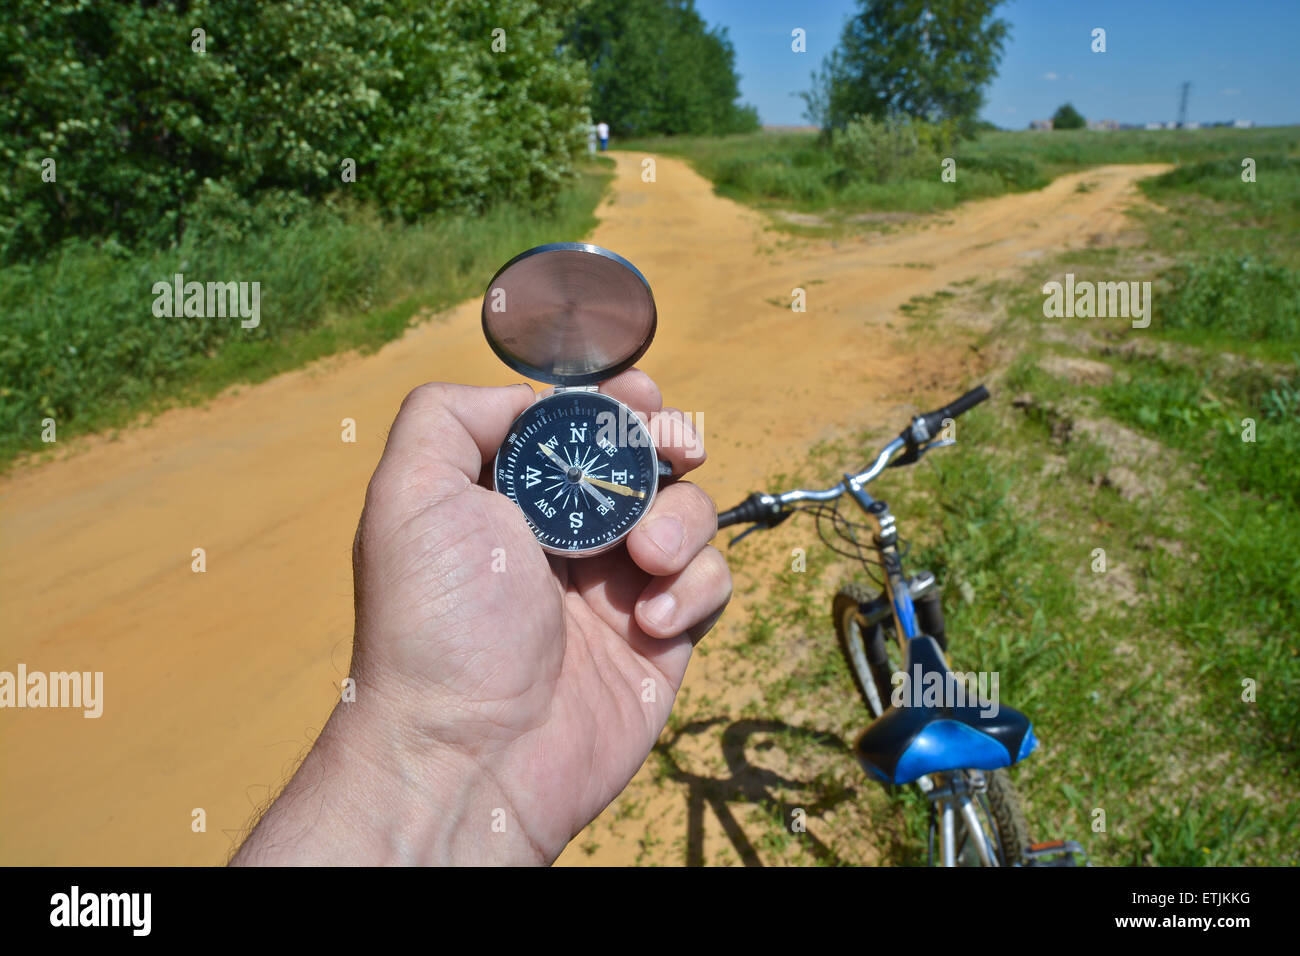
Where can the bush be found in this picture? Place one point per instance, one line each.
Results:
(883, 151)
(149, 135)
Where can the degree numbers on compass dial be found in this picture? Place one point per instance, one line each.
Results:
(581, 467)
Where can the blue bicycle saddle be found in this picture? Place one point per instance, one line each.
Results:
(910, 741)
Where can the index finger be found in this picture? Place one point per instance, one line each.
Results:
(677, 439)
(635, 389)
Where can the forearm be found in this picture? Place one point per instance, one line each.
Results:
(362, 798)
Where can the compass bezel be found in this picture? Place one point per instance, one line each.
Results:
(634, 421)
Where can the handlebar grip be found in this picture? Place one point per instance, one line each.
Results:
(968, 401)
(748, 510)
(934, 420)
(729, 517)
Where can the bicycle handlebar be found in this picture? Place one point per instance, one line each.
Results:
(771, 510)
(924, 427)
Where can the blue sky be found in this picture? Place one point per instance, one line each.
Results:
(1242, 57)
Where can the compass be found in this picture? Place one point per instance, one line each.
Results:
(580, 465)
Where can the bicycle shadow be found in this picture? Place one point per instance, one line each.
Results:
(750, 784)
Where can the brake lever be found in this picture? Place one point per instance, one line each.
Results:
(913, 453)
(760, 525)
(909, 456)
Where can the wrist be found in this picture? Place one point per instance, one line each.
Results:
(375, 789)
(425, 802)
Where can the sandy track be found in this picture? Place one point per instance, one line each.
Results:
(216, 683)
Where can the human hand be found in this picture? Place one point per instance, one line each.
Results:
(501, 698)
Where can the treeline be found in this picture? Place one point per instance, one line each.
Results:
(134, 123)
(233, 115)
(656, 67)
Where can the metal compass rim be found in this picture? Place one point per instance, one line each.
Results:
(632, 341)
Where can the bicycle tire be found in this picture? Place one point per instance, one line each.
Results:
(860, 645)
(1000, 807)
(1008, 817)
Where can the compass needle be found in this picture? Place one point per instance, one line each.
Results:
(621, 489)
(589, 486)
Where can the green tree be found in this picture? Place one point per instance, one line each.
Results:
(1067, 117)
(656, 67)
(925, 59)
(151, 136)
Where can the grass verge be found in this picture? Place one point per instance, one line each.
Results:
(793, 172)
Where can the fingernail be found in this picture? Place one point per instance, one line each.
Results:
(667, 533)
(660, 609)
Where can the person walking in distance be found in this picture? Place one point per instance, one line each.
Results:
(602, 131)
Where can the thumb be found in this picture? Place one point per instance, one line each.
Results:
(446, 430)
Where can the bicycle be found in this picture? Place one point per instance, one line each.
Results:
(955, 752)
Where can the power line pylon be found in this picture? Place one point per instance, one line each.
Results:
(1182, 105)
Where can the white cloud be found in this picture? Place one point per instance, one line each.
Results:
(1051, 77)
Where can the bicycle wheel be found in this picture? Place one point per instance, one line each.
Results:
(1002, 819)
(872, 659)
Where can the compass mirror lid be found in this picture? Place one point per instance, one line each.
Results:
(569, 313)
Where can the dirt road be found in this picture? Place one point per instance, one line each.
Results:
(215, 683)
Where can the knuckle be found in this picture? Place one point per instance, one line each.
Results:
(423, 396)
(717, 572)
(692, 505)
(705, 510)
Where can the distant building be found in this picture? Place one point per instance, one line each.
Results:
(1155, 125)
(1103, 124)
(1242, 124)
(1040, 124)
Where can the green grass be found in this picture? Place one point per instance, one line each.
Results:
(1058, 152)
(79, 342)
(923, 310)
(794, 171)
(1235, 281)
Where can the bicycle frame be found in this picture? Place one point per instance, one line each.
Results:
(949, 793)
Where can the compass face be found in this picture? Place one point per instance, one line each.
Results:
(582, 468)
